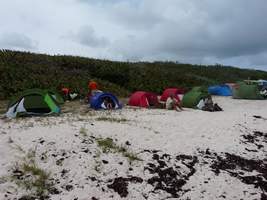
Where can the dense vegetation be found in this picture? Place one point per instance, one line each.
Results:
(23, 70)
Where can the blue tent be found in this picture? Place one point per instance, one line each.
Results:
(97, 101)
(220, 90)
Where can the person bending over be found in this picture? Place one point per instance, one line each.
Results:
(173, 104)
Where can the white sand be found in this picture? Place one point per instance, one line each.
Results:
(171, 132)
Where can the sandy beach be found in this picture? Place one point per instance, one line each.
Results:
(136, 153)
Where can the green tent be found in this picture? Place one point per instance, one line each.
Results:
(56, 96)
(32, 102)
(192, 98)
(247, 91)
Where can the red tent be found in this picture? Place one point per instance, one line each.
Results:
(167, 92)
(143, 99)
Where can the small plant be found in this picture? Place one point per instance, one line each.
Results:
(112, 119)
(132, 156)
(30, 177)
(108, 145)
(83, 131)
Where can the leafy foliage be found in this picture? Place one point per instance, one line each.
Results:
(25, 70)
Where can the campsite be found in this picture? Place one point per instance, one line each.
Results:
(137, 153)
(133, 100)
(134, 148)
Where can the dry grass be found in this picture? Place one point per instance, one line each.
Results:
(108, 145)
(27, 175)
(112, 119)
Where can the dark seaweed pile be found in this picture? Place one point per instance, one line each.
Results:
(120, 184)
(257, 138)
(237, 166)
(170, 178)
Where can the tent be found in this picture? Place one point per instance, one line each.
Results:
(192, 98)
(97, 101)
(231, 85)
(247, 91)
(143, 99)
(56, 96)
(261, 82)
(167, 92)
(220, 90)
(32, 102)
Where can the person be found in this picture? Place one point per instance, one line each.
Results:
(173, 103)
(263, 91)
(210, 106)
(66, 93)
(107, 103)
(93, 89)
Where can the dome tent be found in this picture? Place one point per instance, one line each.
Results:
(143, 99)
(32, 102)
(175, 91)
(220, 90)
(56, 96)
(192, 98)
(247, 91)
(96, 101)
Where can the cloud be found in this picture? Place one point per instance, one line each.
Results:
(204, 32)
(195, 31)
(16, 41)
(87, 36)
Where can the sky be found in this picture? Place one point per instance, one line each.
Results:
(228, 32)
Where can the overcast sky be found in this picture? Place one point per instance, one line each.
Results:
(229, 32)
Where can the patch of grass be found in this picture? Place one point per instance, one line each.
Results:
(131, 156)
(32, 178)
(27, 175)
(108, 145)
(83, 131)
(112, 119)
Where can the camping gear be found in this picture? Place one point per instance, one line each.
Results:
(98, 101)
(66, 93)
(169, 91)
(143, 99)
(245, 90)
(32, 102)
(220, 90)
(73, 95)
(193, 97)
